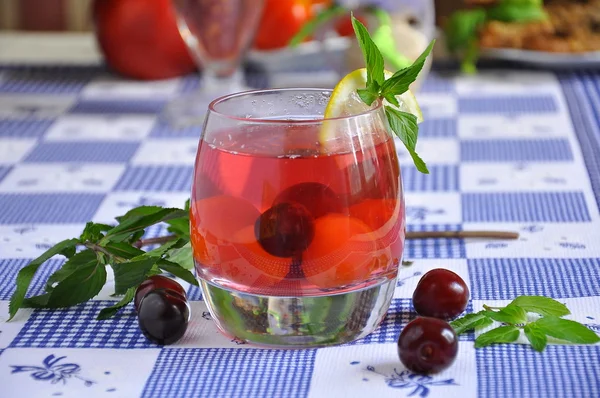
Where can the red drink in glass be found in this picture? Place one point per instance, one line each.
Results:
(280, 214)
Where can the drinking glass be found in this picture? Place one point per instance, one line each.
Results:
(297, 222)
(218, 34)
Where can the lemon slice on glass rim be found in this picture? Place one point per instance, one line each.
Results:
(344, 101)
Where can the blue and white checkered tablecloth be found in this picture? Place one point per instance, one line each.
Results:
(507, 150)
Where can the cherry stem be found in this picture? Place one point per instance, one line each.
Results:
(409, 235)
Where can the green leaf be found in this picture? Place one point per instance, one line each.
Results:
(315, 23)
(69, 251)
(512, 314)
(419, 163)
(139, 212)
(26, 274)
(392, 100)
(132, 224)
(109, 312)
(161, 250)
(132, 273)
(40, 301)
(470, 321)
(123, 250)
(462, 28)
(402, 79)
(536, 337)
(541, 305)
(470, 57)
(178, 271)
(182, 256)
(367, 96)
(383, 37)
(517, 12)
(567, 330)
(404, 125)
(371, 54)
(82, 285)
(180, 227)
(94, 232)
(502, 334)
(78, 260)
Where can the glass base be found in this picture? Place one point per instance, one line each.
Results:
(298, 322)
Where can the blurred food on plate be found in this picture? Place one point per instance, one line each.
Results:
(569, 27)
(554, 26)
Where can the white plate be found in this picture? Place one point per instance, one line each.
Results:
(544, 59)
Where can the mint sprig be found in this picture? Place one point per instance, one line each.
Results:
(403, 124)
(515, 317)
(84, 273)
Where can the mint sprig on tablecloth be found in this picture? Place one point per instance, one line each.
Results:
(547, 322)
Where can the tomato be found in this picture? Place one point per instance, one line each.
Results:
(281, 20)
(344, 26)
(140, 39)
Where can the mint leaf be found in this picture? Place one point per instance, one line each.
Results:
(502, 334)
(510, 314)
(319, 20)
(367, 96)
(541, 305)
(182, 256)
(567, 330)
(419, 163)
(180, 227)
(373, 58)
(161, 250)
(178, 271)
(139, 212)
(404, 125)
(131, 274)
(93, 232)
(78, 260)
(470, 322)
(26, 274)
(536, 337)
(123, 250)
(108, 312)
(80, 286)
(130, 224)
(391, 98)
(402, 79)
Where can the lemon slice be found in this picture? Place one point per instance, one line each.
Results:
(344, 100)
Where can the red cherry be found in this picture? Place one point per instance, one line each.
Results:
(157, 282)
(441, 294)
(427, 345)
(317, 198)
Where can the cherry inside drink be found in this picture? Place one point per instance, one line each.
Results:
(275, 213)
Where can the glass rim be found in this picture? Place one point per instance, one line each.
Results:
(378, 104)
